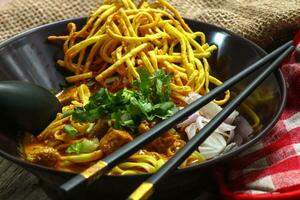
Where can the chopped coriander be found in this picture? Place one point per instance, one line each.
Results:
(71, 130)
(84, 146)
(74, 148)
(67, 113)
(125, 109)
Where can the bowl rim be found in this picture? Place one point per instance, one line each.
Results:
(278, 74)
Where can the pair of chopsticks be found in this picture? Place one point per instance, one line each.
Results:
(145, 190)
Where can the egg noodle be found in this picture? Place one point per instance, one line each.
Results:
(118, 39)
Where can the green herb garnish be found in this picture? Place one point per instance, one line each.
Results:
(148, 100)
(67, 113)
(84, 146)
(71, 130)
(74, 148)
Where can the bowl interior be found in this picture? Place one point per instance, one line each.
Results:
(30, 57)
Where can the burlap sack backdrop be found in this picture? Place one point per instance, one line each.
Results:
(266, 22)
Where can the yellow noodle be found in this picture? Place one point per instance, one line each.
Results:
(79, 77)
(112, 68)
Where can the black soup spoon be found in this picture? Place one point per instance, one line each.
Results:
(28, 106)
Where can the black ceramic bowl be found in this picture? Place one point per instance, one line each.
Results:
(30, 57)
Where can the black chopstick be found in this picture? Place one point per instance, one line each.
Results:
(102, 166)
(147, 187)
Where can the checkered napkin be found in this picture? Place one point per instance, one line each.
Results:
(271, 168)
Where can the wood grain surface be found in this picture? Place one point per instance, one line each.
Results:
(18, 184)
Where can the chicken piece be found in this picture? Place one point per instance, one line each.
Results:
(43, 155)
(145, 126)
(113, 140)
(162, 143)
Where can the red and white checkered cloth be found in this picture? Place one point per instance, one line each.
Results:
(271, 168)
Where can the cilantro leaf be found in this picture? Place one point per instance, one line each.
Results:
(84, 146)
(149, 100)
(67, 113)
(71, 130)
(74, 148)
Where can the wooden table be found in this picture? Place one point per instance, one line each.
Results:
(18, 184)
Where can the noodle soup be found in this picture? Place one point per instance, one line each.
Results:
(133, 66)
